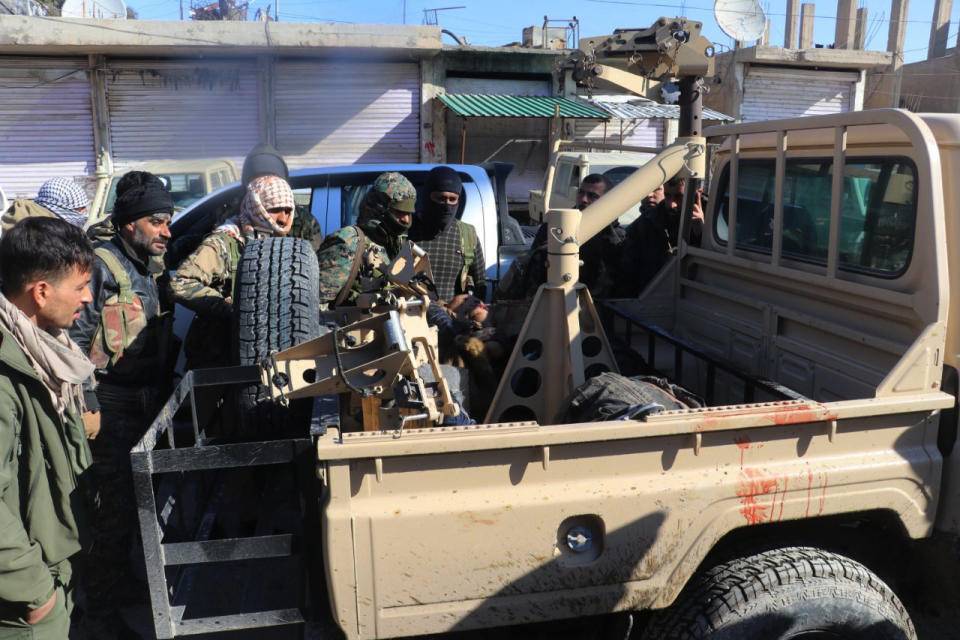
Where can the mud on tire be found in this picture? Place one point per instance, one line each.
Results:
(794, 592)
(276, 306)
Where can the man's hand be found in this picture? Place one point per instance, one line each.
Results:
(91, 424)
(38, 614)
(697, 212)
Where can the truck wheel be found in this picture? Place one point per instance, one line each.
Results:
(276, 306)
(800, 593)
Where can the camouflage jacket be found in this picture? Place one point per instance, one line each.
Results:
(337, 256)
(204, 281)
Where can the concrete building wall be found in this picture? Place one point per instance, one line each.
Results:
(928, 85)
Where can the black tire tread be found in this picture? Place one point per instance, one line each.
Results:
(276, 306)
(713, 596)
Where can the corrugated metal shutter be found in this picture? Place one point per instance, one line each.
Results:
(46, 123)
(772, 94)
(161, 110)
(498, 86)
(331, 113)
(640, 133)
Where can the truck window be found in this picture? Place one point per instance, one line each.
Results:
(561, 179)
(574, 182)
(877, 213)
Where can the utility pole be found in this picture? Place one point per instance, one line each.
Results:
(181, 9)
(404, 11)
(276, 10)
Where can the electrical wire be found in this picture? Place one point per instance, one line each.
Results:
(710, 9)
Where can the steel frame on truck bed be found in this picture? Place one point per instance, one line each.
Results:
(611, 313)
(170, 588)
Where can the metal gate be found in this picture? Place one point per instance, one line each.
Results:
(774, 94)
(46, 123)
(165, 110)
(632, 132)
(330, 113)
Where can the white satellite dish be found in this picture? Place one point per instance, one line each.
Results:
(94, 9)
(742, 20)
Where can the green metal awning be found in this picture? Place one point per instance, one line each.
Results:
(503, 106)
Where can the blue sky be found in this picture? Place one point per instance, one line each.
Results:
(496, 22)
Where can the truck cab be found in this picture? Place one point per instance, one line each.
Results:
(574, 162)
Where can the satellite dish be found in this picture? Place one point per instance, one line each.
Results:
(94, 9)
(742, 20)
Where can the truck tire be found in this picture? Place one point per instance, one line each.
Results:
(794, 592)
(276, 306)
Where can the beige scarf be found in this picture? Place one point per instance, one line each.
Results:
(58, 361)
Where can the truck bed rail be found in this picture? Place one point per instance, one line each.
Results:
(611, 313)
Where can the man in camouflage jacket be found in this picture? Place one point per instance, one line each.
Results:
(204, 281)
(350, 258)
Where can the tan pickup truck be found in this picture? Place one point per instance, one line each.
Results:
(833, 290)
(813, 318)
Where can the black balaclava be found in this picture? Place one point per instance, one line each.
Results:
(436, 217)
(263, 160)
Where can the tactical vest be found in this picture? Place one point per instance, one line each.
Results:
(122, 320)
(468, 242)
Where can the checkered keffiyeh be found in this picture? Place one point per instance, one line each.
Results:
(65, 198)
(263, 194)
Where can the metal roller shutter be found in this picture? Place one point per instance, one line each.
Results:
(46, 123)
(640, 133)
(772, 94)
(161, 111)
(331, 113)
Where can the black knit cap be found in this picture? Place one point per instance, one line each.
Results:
(140, 194)
(443, 179)
(264, 160)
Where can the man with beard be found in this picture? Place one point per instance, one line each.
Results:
(456, 256)
(652, 239)
(126, 334)
(597, 255)
(351, 258)
(205, 280)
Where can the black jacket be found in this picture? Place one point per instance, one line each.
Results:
(103, 285)
(650, 241)
(598, 254)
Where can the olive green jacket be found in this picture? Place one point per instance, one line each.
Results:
(22, 208)
(41, 507)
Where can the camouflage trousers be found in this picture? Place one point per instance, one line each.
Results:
(114, 573)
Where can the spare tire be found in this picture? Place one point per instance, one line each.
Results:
(276, 306)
